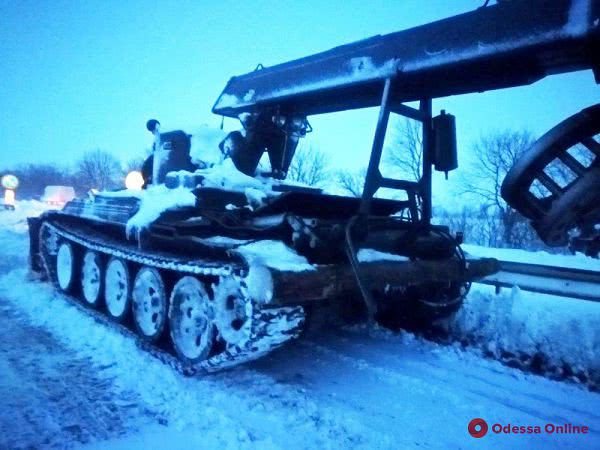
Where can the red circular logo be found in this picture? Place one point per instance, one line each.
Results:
(478, 428)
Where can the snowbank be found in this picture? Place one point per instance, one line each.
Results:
(563, 332)
(578, 261)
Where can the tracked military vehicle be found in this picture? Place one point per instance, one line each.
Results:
(221, 261)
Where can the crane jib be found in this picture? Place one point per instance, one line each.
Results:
(509, 44)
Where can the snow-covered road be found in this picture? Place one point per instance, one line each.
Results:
(50, 394)
(423, 395)
(68, 381)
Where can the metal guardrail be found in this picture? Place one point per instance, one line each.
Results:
(562, 281)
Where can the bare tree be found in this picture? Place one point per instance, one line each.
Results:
(406, 151)
(404, 155)
(98, 169)
(309, 166)
(494, 155)
(351, 182)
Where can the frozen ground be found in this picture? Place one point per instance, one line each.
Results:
(68, 381)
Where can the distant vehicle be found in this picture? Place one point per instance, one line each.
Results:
(58, 195)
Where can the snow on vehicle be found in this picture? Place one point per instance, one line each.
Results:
(58, 195)
(222, 261)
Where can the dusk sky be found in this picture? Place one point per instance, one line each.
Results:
(82, 75)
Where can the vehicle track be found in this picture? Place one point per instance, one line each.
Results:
(270, 327)
(422, 386)
(537, 363)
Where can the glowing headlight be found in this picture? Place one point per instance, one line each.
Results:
(134, 180)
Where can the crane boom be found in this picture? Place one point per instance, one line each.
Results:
(508, 44)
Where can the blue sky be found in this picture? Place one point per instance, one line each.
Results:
(81, 75)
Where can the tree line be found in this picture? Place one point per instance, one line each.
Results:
(96, 169)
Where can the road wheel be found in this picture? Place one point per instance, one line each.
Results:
(233, 312)
(117, 289)
(65, 267)
(92, 278)
(191, 315)
(149, 304)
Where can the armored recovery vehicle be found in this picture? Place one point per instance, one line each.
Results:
(223, 262)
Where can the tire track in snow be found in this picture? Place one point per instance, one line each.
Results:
(397, 392)
(483, 381)
(386, 348)
(50, 397)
